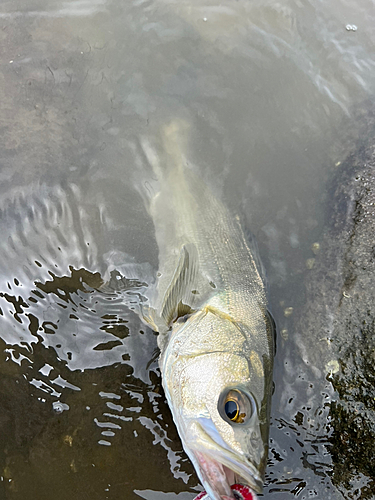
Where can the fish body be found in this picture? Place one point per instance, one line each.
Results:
(209, 306)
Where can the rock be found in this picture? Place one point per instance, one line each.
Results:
(336, 327)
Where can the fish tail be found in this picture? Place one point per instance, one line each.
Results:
(146, 174)
(161, 159)
(175, 137)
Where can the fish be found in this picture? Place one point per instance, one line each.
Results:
(209, 307)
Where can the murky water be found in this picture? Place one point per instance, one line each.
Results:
(270, 89)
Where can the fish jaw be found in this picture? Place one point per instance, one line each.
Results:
(218, 468)
(241, 492)
(216, 481)
(218, 478)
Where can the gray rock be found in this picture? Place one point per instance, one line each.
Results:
(335, 331)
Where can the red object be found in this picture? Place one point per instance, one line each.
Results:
(201, 496)
(244, 492)
(241, 493)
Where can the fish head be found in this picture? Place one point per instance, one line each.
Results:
(218, 386)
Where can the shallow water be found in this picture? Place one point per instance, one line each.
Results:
(271, 91)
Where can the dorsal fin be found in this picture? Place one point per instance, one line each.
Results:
(180, 293)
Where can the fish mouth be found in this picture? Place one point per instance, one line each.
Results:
(217, 478)
(219, 468)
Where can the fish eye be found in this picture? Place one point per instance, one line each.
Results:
(236, 406)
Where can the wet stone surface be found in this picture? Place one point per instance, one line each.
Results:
(335, 328)
(353, 415)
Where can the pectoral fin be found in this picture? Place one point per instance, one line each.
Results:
(179, 296)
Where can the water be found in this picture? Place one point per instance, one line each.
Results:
(272, 92)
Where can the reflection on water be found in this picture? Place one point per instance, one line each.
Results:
(269, 89)
(57, 9)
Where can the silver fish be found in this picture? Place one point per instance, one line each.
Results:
(215, 335)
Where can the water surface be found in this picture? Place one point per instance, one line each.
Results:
(272, 92)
